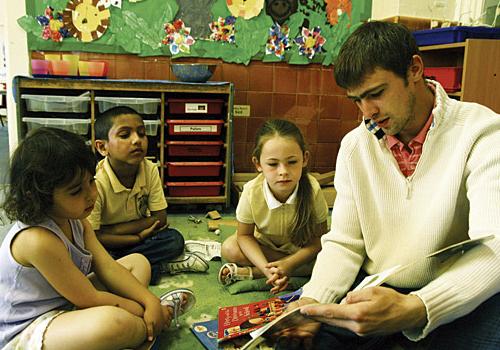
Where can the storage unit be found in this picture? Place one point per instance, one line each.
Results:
(457, 34)
(480, 64)
(449, 77)
(189, 125)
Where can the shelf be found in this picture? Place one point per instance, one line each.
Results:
(455, 94)
(443, 46)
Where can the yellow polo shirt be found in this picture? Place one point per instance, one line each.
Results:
(117, 204)
(272, 218)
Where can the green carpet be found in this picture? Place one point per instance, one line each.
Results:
(209, 293)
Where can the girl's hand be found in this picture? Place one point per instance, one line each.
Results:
(279, 283)
(154, 319)
(280, 267)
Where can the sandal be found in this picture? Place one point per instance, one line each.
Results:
(233, 275)
(180, 300)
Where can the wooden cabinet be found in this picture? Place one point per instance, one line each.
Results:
(189, 125)
(480, 59)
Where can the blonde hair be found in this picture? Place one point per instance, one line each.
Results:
(303, 223)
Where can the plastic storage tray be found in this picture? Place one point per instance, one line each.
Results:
(449, 77)
(78, 126)
(194, 127)
(151, 127)
(194, 148)
(195, 106)
(194, 168)
(194, 189)
(454, 35)
(140, 105)
(53, 103)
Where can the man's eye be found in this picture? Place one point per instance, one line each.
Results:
(376, 94)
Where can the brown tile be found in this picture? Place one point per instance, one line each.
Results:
(260, 104)
(239, 155)
(129, 68)
(285, 79)
(237, 74)
(284, 106)
(239, 129)
(252, 125)
(308, 106)
(330, 107)
(326, 154)
(309, 128)
(260, 78)
(240, 98)
(348, 125)
(322, 170)
(329, 130)
(349, 110)
(328, 84)
(154, 69)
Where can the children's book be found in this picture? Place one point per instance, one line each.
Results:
(238, 320)
(294, 318)
(206, 332)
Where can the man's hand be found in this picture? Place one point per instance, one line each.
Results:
(148, 232)
(372, 311)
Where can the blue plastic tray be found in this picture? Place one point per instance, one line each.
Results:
(454, 35)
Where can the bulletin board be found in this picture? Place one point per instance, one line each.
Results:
(237, 31)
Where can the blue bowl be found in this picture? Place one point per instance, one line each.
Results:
(192, 72)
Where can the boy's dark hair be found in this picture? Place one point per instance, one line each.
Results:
(385, 45)
(47, 158)
(302, 231)
(104, 122)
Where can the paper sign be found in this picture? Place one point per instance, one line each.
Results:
(241, 110)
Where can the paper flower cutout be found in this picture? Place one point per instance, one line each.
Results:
(178, 37)
(277, 42)
(53, 26)
(311, 42)
(223, 29)
(335, 9)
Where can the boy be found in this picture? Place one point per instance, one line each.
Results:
(130, 212)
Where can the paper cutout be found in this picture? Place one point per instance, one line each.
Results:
(335, 8)
(196, 14)
(223, 29)
(178, 37)
(278, 41)
(85, 19)
(105, 3)
(117, 3)
(245, 9)
(280, 10)
(311, 42)
(53, 26)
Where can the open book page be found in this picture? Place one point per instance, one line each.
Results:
(441, 255)
(294, 318)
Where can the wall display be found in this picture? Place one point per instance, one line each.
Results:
(53, 26)
(86, 20)
(235, 31)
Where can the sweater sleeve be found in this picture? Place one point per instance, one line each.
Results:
(475, 276)
(342, 252)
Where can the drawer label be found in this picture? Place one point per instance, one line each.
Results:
(196, 108)
(195, 128)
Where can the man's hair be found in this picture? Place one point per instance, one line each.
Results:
(104, 122)
(385, 45)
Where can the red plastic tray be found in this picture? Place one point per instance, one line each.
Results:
(194, 148)
(195, 106)
(449, 77)
(194, 189)
(194, 168)
(194, 127)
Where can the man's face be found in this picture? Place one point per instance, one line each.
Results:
(388, 100)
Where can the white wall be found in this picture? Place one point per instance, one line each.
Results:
(468, 12)
(17, 58)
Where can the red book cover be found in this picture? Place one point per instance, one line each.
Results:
(238, 320)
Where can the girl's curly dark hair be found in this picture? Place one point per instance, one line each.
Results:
(47, 158)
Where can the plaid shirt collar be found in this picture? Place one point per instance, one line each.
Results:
(373, 127)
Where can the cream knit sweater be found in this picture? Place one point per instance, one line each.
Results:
(381, 219)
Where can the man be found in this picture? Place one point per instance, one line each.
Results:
(421, 172)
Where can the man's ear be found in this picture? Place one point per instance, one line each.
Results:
(255, 162)
(102, 147)
(416, 69)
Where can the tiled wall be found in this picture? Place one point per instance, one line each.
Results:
(307, 95)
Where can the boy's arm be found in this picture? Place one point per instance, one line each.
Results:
(130, 233)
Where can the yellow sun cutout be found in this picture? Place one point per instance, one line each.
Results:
(85, 19)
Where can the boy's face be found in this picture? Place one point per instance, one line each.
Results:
(127, 141)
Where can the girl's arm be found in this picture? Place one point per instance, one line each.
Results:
(251, 248)
(41, 249)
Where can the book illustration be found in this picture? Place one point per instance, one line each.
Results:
(235, 321)
(442, 255)
(206, 333)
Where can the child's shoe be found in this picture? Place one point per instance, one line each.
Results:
(180, 300)
(206, 249)
(190, 262)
